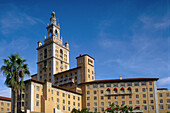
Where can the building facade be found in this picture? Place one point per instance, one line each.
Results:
(5, 104)
(58, 89)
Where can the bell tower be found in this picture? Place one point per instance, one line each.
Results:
(53, 56)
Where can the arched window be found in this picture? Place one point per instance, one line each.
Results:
(115, 90)
(108, 91)
(56, 33)
(122, 90)
(61, 53)
(129, 89)
(50, 33)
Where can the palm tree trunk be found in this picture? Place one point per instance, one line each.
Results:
(15, 102)
(19, 102)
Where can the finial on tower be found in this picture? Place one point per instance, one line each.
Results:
(53, 19)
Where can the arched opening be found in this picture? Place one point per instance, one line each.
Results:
(56, 33)
(50, 33)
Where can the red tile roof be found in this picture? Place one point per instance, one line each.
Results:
(121, 80)
(5, 98)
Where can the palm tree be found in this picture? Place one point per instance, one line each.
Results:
(14, 69)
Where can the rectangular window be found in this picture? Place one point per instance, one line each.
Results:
(161, 100)
(68, 102)
(151, 107)
(57, 93)
(129, 84)
(122, 84)
(63, 101)
(102, 103)
(95, 104)
(115, 85)
(37, 96)
(74, 97)
(143, 83)
(168, 106)
(130, 96)
(63, 107)
(136, 90)
(108, 85)
(151, 95)
(123, 102)
(109, 103)
(95, 86)
(101, 97)
(150, 89)
(137, 96)
(88, 104)
(137, 102)
(101, 85)
(22, 104)
(69, 109)
(150, 83)
(161, 106)
(68, 95)
(136, 84)
(58, 106)
(63, 95)
(143, 90)
(101, 91)
(88, 92)
(88, 98)
(94, 92)
(144, 101)
(123, 97)
(167, 94)
(130, 102)
(144, 95)
(95, 98)
(151, 101)
(115, 97)
(2, 109)
(160, 94)
(37, 103)
(108, 97)
(168, 100)
(144, 107)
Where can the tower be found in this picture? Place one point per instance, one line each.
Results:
(53, 56)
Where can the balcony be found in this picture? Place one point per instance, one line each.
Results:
(64, 81)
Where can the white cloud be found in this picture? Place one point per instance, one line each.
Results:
(164, 81)
(14, 18)
(6, 92)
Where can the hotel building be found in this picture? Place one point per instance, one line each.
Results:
(58, 89)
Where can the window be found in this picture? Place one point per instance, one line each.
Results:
(63, 107)
(130, 102)
(88, 104)
(78, 98)
(101, 97)
(151, 101)
(161, 100)
(108, 85)
(161, 106)
(57, 93)
(7, 109)
(58, 106)
(143, 89)
(101, 91)
(168, 100)
(123, 102)
(143, 83)
(95, 104)
(150, 83)
(102, 109)
(68, 95)
(37, 88)
(115, 97)
(88, 98)
(115, 85)
(123, 97)
(144, 95)
(168, 106)
(130, 96)
(95, 109)
(63, 101)
(74, 97)
(8, 104)
(109, 103)
(136, 90)
(160, 94)
(51, 91)
(144, 101)
(137, 96)
(37, 103)
(136, 84)
(150, 89)
(102, 103)
(167, 94)
(101, 85)
(108, 97)
(63, 95)
(87, 86)
(122, 84)
(151, 95)
(2, 109)
(137, 102)
(116, 103)
(129, 84)
(95, 98)
(95, 86)
(89, 70)
(74, 103)
(68, 102)
(37, 96)
(94, 92)
(88, 92)
(144, 107)
(23, 96)
(69, 109)
(57, 100)
(22, 103)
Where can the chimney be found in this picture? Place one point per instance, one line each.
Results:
(120, 77)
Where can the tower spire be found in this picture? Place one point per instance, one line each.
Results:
(53, 18)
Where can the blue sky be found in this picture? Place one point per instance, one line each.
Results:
(130, 38)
